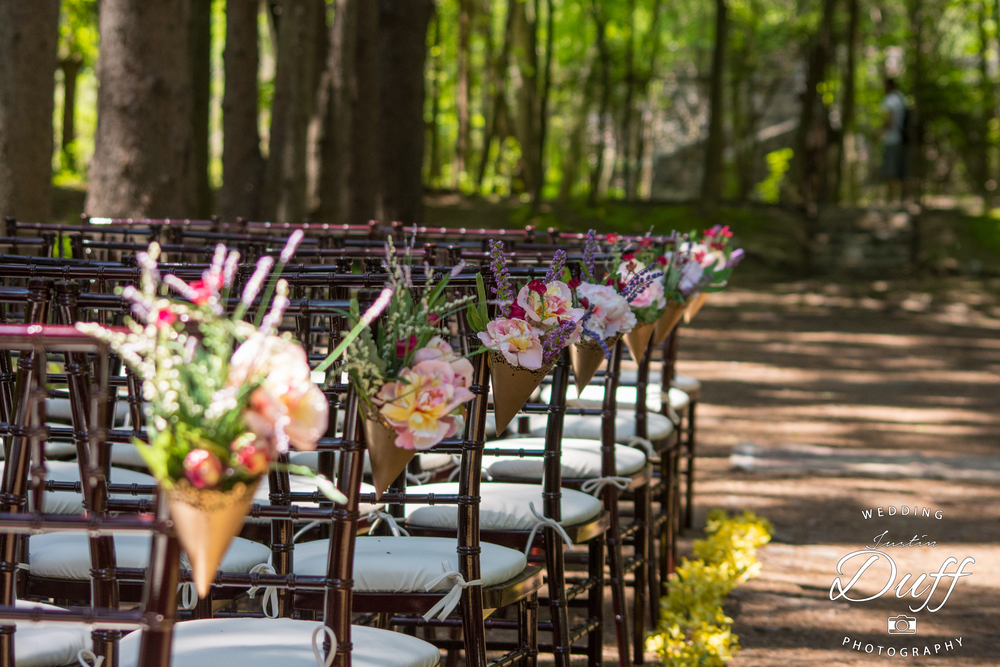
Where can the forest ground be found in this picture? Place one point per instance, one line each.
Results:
(906, 367)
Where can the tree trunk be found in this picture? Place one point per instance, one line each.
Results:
(915, 10)
(574, 154)
(645, 149)
(986, 110)
(363, 182)
(466, 10)
(711, 182)
(605, 62)
(29, 36)
(284, 197)
(337, 96)
(242, 165)
(847, 152)
(403, 27)
(434, 172)
(498, 75)
(71, 71)
(143, 165)
(200, 58)
(543, 111)
(525, 36)
(627, 105)
(803, 165)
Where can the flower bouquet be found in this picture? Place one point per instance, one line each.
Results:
(411, 383)
(639, 277)
(224, 396)
(608, 317)
(529, 331)
(714, 253)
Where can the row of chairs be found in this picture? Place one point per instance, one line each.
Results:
(316, 324)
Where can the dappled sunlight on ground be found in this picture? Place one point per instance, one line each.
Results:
(892, 367)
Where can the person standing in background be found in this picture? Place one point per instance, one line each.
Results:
(893, 142)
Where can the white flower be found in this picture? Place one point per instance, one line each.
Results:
(611, 314)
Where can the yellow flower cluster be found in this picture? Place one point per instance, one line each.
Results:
(693, 630)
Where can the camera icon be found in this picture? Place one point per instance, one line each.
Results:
(902, 625)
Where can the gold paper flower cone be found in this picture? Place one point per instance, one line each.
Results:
(695, 306)
(387, 460)
(206, 522)
(586, 355)
(512, 387)
(637, 340)
(668, 320)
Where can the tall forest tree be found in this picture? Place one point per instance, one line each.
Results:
(29, 33)
(242, 164)
(295, 86)
(143, 164)
(200, 59)
(711, 182)
(403, 38)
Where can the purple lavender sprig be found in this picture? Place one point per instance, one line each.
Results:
(593, 334)
(557, 340)
(590, 251)
(556, 267)
(640, 281)
(503, 290)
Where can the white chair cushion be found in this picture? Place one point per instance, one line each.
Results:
(48, 644)
(428, 461)
(66, 555)
(658, 427)
(127, 454)
(408, 564)
(302, 484)
(67, 502)
(279, 642)
(503, 507)
(581, 459)
(54, 449)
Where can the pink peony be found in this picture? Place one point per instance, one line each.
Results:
(550, 308)
(286, 403)
(517, 340)
(421, 404)
(438, 349)
(202, 468)
(611, 315)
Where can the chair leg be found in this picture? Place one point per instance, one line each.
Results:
(689, 472)
(616, 564)
(643, 572)
(527, 629)
(555, 572)
(668, 462)
(595, 607)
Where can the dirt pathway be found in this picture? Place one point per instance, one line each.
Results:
(869, 366)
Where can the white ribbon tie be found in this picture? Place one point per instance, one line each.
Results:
(643, 444)
(596, 485)
(375, 517)
(269, 603)
(443, 607)
(545, 521)
(318, 646)
(83, 654)
(189, 595)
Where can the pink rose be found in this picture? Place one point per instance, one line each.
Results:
(611, 314)
(202, 468)
(517, 340)
(548, 309)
